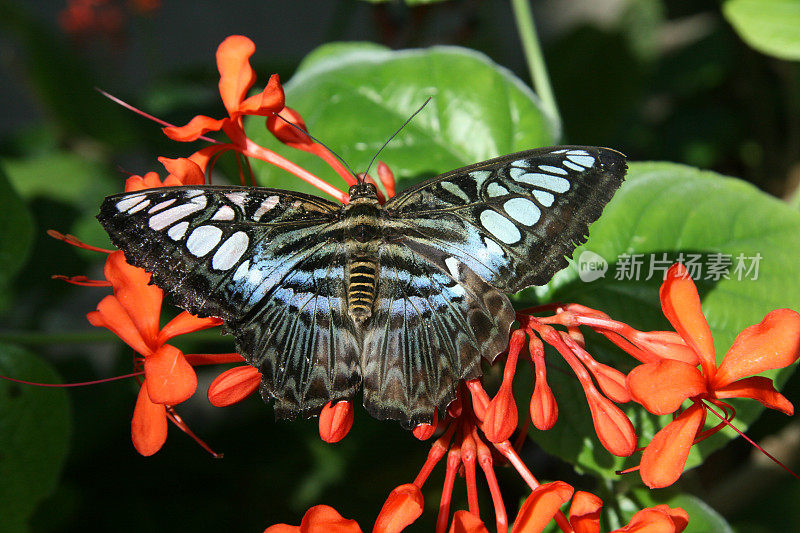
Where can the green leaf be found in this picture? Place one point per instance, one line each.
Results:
(665, 208)
(769, 26)
(34, 435)
(69, 178)
(354, 96)
(16, 231)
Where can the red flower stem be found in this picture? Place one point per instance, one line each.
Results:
(630, 348)
(252, 149)
(437, 451)
(145, 115)
(510, 454)
(73, 240)
(485, 460)
(553, 338)
(523, 430)
(480, 400)
(748, 439)
(453, 462)
(468, 453)
(178, 421)
(81, 384)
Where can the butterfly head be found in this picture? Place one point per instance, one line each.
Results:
(363, 190)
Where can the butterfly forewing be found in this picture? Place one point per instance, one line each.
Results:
(513, 219)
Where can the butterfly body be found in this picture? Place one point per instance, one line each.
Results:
(403, 300)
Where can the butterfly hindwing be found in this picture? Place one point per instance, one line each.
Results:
(433, 320)
(262, 260)
(513, 219)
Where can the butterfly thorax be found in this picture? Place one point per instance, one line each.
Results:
(362, 218)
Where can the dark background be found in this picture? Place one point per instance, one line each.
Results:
(657, 80)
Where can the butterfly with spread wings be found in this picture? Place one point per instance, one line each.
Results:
(404, 299)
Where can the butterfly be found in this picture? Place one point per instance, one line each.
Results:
(403, 299)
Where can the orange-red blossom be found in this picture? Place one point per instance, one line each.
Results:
(405, 503)
(662, 386)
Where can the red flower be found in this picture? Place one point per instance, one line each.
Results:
(133, 314)
(319, 519)
(544, 504)
(662, 386)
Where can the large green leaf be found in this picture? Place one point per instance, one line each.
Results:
(769, 26)
(353, 96)
(16, 231)
(34, 436)
(665, 208)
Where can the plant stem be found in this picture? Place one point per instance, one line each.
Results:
(535, 59)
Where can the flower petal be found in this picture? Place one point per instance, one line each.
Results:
(186, 171)
(236, 76)
(773, 343)
(149, 424)
(335, 421)
(148, 181)
(663, 386)
(269, 101)
(141, 300)
(325, 519)
(664, 458)
(186, 323)
(466, 522)
(170, 378)
(613, 427)
(541, 506)
(584, 512)
(501, 416)
(403, 506)
(199, 125)
(681, 305)
(758, 388)
(110, 314)
(285, 132)
(234, 385)
(658, 519)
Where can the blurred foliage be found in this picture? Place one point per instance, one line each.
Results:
(658, 80)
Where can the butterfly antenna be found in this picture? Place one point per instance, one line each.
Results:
(395, 133)
(304, 132)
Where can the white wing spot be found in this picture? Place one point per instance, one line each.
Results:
(168, 217)
(480, 176)
(523, 211)
(546, 181)
(265, 206)
(177, 231)
(544, 197)
(203, 239)
(454, 189)
(138, 207)
(495, 189)
(230, 251)
(573, 166)
(553, 170)
(130, 201)
(241, 272)
(224, 213)
(493, 247)
(577, 152)
(193, 193)
(237, 198)
(161, 205)
(452, 266)
(559, 151)
(584, 160)
(524, 163)
(500, 226)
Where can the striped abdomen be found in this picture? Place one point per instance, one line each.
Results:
(361, 288)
